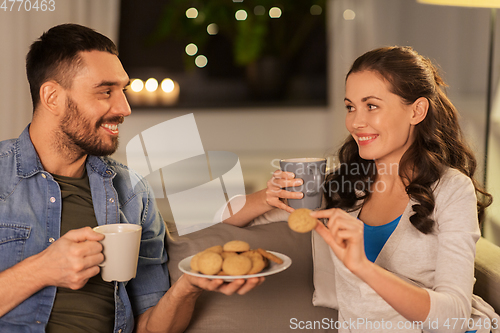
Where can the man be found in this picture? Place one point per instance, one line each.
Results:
(56, 184)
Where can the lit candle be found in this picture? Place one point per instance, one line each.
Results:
(169, 92)
(149, 94)
(134, 94)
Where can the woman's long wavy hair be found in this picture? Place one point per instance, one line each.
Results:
(438, 141)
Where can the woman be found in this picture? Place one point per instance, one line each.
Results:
(402, 232)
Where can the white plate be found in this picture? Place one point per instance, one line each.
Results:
(185, 267)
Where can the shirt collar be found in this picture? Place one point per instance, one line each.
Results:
(99, 165)
(27, 160)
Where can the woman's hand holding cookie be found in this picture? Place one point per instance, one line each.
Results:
(344, 234)
(275, 189)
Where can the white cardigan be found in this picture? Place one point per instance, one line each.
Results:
(441, 262)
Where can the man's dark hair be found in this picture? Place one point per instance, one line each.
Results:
(56, 55)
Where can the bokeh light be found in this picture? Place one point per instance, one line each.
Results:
(151, 84)
(167, 85)
(316, 10)
(241, 15)
(192, 13)
(136, 85)
(191, 49)
(275, 12)
(213, 29)
(259, 10)
(201, 61)
(349, 15)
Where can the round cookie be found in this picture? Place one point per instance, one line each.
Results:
(237, 265)
(216, 249)
(209, 263)
(258, 262)
(224, 255)
(194, 262)
(250, 253)
(301, 221)
(257, 265)
(236, 246)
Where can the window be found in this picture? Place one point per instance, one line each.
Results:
(223, 53)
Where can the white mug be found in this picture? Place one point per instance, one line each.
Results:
(121, 245)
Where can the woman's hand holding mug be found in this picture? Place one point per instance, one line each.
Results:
(275, 193)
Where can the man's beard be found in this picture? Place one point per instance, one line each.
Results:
(81, 136)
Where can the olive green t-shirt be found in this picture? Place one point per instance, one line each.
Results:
(91, 308)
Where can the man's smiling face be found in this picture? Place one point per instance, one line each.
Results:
(95, 105)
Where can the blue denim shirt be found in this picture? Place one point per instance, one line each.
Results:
(30, 215)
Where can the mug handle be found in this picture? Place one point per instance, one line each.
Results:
(316, 180)
(311, 171)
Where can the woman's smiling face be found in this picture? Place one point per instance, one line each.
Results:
(379, 120)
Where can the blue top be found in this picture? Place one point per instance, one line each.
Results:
(30, 215)
(375, 237)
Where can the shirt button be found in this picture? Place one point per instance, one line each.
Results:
(52, 199)
(38, 322)
(51, 240)
(120, 330)
(111, 200)
(43, 175)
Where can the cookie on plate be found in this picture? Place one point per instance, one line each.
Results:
(224, 254)
(237, 265)
(209, 263)
(236, 246)
(270, 256)
(216, 249)
(258, 261)
(301, 221)
(194, 262)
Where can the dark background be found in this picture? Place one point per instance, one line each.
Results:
(272, 80)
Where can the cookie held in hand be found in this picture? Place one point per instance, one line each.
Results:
(301, 220)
